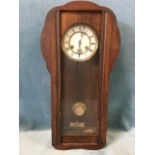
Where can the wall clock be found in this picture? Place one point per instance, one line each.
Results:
(80, 42)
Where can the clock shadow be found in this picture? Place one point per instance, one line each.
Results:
(122, 82)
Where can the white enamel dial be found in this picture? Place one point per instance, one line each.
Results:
(80, 42)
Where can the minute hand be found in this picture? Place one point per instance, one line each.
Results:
(79, 49)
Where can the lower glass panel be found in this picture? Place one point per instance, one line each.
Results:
(80, 83)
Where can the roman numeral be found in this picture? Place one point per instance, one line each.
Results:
(67, 48)
(81, 28)
(73, 30)
(91, 36)
(72, 54)
(71, 47)
(90, 50)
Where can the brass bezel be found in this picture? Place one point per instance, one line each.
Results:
(95, 35)
(79, 104)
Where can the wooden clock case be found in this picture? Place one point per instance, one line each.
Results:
(94, 74)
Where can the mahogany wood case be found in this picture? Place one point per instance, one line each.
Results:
(73, 81)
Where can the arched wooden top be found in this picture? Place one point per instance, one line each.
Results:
(78, 6)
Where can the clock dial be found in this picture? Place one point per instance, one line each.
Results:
(80, 42)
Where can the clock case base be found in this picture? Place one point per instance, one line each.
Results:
(104, 21)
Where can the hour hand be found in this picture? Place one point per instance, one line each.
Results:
(79, 42)
(79, 51)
